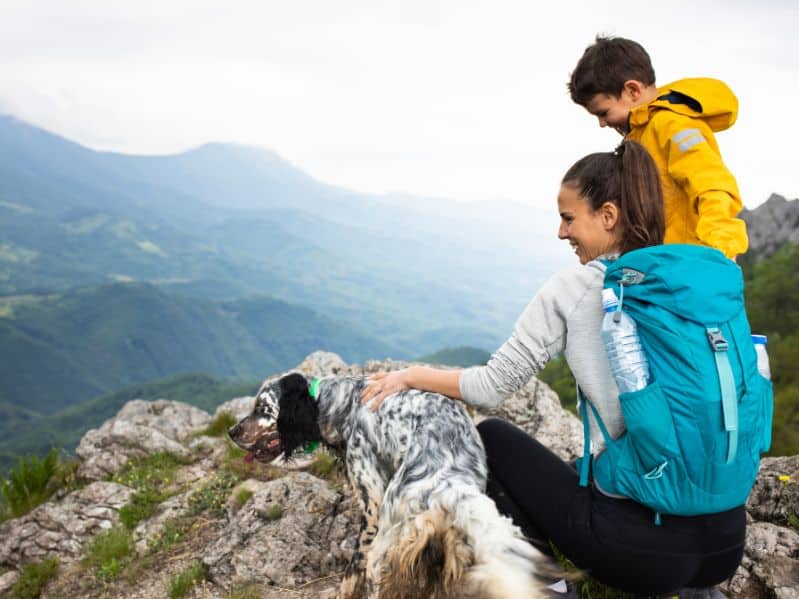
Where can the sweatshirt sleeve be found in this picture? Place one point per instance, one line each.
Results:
(538, 336)
(696, 166)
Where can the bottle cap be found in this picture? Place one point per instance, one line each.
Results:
(759, 339)
(609, 300)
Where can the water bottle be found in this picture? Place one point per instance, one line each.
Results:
(762, 355)
(620, 336)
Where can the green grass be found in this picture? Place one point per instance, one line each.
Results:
(274, 512)
(109, 553)
(324, 466)
(182, 582)
(31, 482)
(219, 426)
(33, 579)
(243, 496)
(151, 476)
(249, 591)
(213, 495)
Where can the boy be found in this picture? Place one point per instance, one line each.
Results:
(614, 80)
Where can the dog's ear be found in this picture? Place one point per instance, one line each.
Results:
(298, 420)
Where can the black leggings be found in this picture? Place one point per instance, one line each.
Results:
(616, 541)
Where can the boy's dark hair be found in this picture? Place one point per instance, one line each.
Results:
(629, 178)
(606, 65)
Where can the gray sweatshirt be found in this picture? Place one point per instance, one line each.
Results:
(563, 318)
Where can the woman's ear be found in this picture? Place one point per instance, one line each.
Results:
(609, 212)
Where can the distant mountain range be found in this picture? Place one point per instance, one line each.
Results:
(118, 269)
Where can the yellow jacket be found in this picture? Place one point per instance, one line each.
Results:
(700, 194)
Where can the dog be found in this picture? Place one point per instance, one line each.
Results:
(418, 468)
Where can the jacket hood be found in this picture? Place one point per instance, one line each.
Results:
(708, 99)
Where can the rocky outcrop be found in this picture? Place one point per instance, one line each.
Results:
(281, 531)
(62, 528)
(771, 225)
(140, 428)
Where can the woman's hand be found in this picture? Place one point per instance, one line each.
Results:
(383, 384)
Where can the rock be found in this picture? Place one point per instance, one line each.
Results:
(775, 496)
(293, 530)
(62, 527)
(771, 225)
(7, 581)
(536, 409)
(140, 428)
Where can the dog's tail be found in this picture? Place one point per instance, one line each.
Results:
(468, 552)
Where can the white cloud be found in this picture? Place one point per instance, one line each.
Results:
(459, 99)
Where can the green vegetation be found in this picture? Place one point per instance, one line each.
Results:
(557, 375)
(250, 591)
(242, 497)
(772, 303)
(213, 495)
(324, 466)
(274, 512)
(151, 476)
(27, 433)
(110, 553)
(462, 356)
(182, 582)
(33, 579)
(32, 481)
(219, 426)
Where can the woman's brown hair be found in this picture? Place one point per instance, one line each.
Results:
(629, 178)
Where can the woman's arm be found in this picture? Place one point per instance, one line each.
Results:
(383, 384)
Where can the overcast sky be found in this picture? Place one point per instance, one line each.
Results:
(455, 98)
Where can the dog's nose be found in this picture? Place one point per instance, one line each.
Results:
(233, 431)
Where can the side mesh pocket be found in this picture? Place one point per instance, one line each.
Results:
(765, 394)
(650, 428)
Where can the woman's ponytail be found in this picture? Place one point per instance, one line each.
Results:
(640, 198)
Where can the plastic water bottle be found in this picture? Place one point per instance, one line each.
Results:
(762, 355)
(620, 336)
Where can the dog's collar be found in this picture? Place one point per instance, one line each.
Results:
(311, 446)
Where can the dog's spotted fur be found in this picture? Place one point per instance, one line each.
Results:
(419, 469)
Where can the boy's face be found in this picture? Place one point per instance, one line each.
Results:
(612, 111)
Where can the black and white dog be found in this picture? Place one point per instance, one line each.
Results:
(418, 467)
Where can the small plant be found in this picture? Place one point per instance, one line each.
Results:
(274, 512)
(29, 484)
(174, 532)
(33, 579)
(150, 476)
(246, 592)
(212, 496)
(183, 581)
(109, 553)
(793, 521)
(242, 497)
(324, 466)
(220, 425)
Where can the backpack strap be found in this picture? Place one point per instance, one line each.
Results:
(729, 401)
(586, 461)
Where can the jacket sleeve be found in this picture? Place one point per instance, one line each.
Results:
(695, 164)
(539, 335)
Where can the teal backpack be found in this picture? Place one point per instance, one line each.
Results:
(695, 433)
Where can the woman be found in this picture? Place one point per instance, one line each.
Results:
(609, 203)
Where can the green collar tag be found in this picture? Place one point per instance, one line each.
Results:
(311, 446)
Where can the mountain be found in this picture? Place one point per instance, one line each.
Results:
(68, 347)
(225, 221)
(771, 225)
